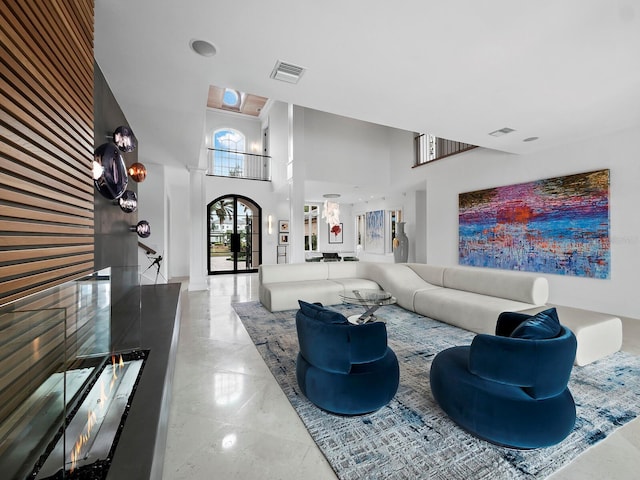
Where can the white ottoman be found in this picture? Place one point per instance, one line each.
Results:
(598, 334)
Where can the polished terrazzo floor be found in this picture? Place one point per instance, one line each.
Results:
(230, 420)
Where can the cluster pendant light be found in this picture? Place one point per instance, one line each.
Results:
(331, 210)
(109, 171)
(124, 138)
(138, 172)
(128, 201)
(143, 229)
(110, 174)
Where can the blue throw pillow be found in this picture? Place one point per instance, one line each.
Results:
(543, 325)
(318, 312)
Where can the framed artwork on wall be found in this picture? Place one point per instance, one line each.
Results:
(283, 239)
(557, 225)
(335, 233)
(374, 232)
(283, 226)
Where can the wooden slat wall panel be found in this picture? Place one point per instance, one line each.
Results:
(42, 215)
(27, 51)
(46, 144)
(37, 202)
(45, 229)
(37, 169)
(21, 79)
(32, 240)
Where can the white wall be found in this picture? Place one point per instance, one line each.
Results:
(479, 169)
(178, 220)
(338, 148)
(348, 231)
(278, 145)
(406, 202)
(432, 191)
(261, 193)
(323, 147)
(164, 196)
(152, 207)
(343, 150)
(251, 127)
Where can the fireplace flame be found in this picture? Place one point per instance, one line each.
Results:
(83, 438)
(115, 366)
(103, 396)
(76, 453)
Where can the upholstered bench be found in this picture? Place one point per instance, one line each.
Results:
(598, 334)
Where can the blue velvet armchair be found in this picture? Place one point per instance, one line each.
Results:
(511, 388)
(343, 368)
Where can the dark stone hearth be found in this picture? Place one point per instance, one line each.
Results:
(141, 437)
(99, 469)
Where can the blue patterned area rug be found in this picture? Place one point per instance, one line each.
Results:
(411, 438)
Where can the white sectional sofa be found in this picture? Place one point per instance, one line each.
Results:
(469, 298)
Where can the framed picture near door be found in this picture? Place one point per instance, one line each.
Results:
(335, 233)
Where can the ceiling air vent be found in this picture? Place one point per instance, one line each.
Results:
(287, 72)
(502, 131)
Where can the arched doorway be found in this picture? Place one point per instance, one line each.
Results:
(234, 237)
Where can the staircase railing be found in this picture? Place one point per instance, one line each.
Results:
(229, 163)
(148, 250)
(429, 148)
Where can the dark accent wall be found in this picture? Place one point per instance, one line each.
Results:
(115, 245)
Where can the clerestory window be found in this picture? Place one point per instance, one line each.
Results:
(229, 147)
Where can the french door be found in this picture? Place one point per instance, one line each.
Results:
(234, 238)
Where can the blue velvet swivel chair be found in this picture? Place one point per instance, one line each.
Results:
(343, 368)
(511, 388)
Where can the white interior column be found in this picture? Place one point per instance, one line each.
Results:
(296, 178)
(197, 244)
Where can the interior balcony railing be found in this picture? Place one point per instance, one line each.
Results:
(429, 148)
(229, 163)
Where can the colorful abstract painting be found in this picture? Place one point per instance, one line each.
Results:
(374, 232)
(558, 225)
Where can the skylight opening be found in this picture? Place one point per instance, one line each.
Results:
(231, 98)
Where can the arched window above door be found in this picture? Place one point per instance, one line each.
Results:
(229, 139)
(227, 157)
(229, 146)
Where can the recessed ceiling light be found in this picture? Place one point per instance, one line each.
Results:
(502, 131)
(331, 195)
(202, 47)
(531, 139)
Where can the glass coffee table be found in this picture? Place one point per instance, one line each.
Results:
(370, 299)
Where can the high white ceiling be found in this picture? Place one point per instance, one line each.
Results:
(559, 70)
